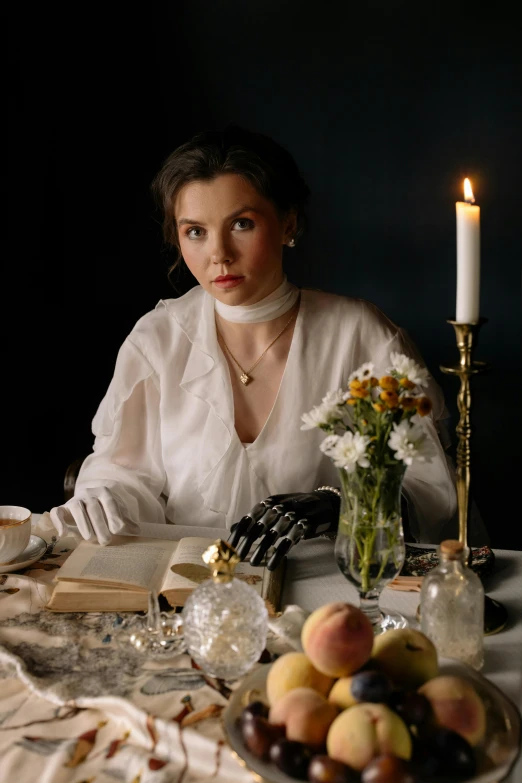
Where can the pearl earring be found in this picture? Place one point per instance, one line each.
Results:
(291, 243)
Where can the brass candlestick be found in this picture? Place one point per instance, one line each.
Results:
(467, 337)
(495, 615)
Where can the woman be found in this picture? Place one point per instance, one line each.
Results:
(202, 419)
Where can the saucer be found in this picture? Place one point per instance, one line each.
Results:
(32, 552)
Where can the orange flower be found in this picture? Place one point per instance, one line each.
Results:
(351, 401)
(355, 384)
(408, 403)
(361, 393)
(391, 398)
(379, 407)
(365, 384)
(423, 405)
(389, 383)
(406, 383)
(374, 381)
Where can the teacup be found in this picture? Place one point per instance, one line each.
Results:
(15, 531)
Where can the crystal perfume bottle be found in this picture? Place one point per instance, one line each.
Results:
(452, 607)
(225, 621)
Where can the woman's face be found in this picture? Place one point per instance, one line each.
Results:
(231, 238)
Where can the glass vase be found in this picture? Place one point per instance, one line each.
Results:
(369, 547)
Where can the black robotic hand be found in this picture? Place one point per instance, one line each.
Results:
(282, 521)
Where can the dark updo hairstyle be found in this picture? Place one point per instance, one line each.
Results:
(257, 158)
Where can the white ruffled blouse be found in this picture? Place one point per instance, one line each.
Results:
(166, 444)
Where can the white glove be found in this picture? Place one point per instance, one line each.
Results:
(94, 513)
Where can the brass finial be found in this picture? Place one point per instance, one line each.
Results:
(222, 559)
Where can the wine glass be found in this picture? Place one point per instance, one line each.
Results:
(157, 635)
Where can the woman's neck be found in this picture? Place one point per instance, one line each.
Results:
(270, 308)
(252, 338)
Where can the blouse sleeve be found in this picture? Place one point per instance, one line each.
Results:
(127, 454)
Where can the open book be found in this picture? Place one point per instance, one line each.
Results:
(118, 578)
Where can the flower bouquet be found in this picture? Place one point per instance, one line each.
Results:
(374, 432)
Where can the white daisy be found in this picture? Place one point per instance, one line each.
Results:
(364, 372)
(405, 366)
(327, 414)
(323, 416)
(329, 444)
(334, 398)
(411, 443)
(348, 451)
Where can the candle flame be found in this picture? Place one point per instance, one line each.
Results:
(468, 193)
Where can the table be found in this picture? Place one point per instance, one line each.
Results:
(313, 579)
(74, 710)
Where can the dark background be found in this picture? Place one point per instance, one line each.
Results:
(386, 109)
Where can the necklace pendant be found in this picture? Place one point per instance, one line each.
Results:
(245, 379)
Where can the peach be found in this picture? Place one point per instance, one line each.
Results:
(306, 715)
(294, 670)
(338, 639)
(341, 693)
(407, 656)
(365, 731)
(457, 706)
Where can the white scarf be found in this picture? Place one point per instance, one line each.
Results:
(272, 306)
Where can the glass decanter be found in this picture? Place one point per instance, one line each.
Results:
(452, 607)
(369, 547)
(225, 621)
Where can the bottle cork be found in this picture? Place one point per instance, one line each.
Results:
(451, 548)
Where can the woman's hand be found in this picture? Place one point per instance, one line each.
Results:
(94, 514)
(282, 521)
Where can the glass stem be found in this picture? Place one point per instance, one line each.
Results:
(369, 604)
(153, 613)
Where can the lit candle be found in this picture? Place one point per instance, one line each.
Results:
(468, 257)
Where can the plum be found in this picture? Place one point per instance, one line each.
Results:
(292, 758)
(323, 769)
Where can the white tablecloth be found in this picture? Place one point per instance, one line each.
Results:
(313, 579)
(138, 738)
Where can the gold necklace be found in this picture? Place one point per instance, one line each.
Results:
(245, 376)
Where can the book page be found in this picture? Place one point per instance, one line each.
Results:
(187, 569)
(87, 597)
(187, 561)
(128, 562)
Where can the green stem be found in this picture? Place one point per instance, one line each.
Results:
(371, 507)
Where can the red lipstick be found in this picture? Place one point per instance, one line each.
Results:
(228, 281)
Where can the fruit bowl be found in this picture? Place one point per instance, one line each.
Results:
(497, 752)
